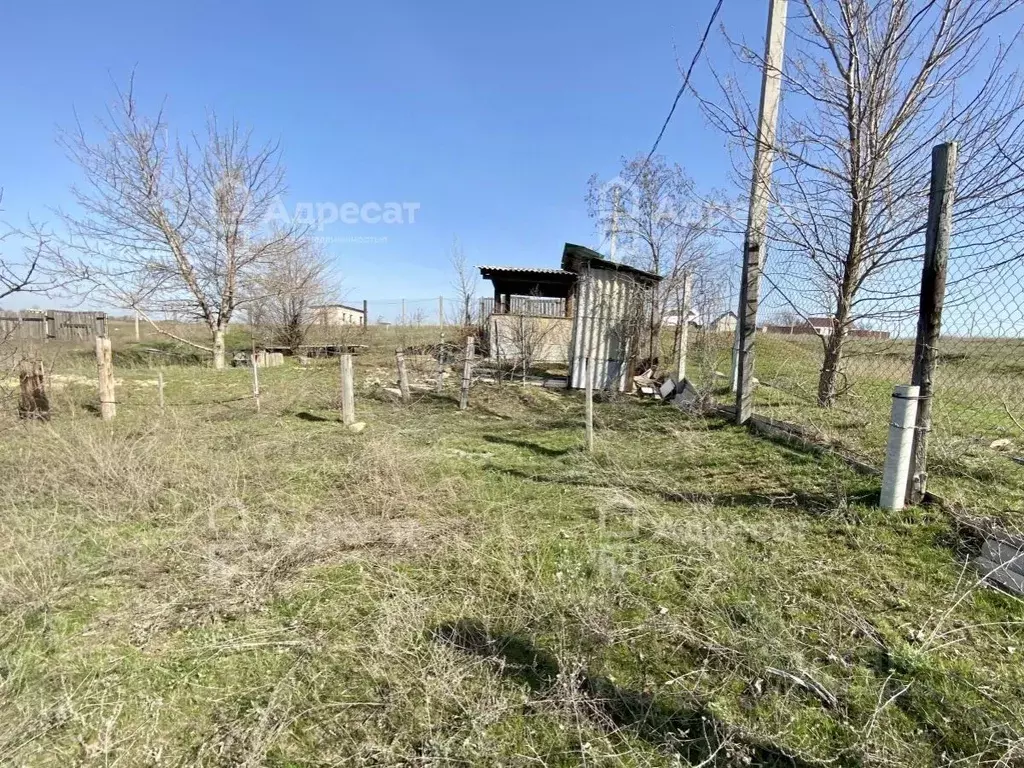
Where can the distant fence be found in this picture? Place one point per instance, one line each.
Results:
(56, 325)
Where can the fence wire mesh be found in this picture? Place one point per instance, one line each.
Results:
(978, 397)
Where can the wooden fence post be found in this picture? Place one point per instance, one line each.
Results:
(105, 375)
(403, 378)
(929, 320)
(34, 402)
(160, 388)
(467, 374)
(348, 398)
(588, 390)
(440, 366)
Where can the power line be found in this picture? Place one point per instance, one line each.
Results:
(675, 101)
(686, 79)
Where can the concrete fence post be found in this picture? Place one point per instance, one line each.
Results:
(683, 327)
(348, 397)
(734, 385)
(440, 366)
(467, 374)
(899, 447)
(403, 378)
(588, 410)
(255, 381)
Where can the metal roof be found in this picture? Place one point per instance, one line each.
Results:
(591, 258)
(526, 270)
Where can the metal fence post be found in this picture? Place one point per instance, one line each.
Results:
(899, 446)
(929, 320)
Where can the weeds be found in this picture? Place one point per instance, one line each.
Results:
(207, 585)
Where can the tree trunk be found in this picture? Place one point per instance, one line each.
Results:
(218, 349)
(829, 378)
(828, 381)
(830, 367)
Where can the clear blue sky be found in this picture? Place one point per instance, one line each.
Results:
(491, 116)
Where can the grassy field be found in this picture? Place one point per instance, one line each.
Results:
(209, 585)
(979, 398)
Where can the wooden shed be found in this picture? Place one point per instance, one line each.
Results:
(592, 309)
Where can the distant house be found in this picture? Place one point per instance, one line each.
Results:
(724, 323)
(339, 314)
(671, 319)
(821, 326)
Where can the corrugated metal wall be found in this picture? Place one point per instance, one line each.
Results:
(608, 307)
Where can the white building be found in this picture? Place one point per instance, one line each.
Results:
(339, 314)
(724, 323)
(671, 319)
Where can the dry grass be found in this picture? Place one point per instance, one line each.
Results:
(212, 586)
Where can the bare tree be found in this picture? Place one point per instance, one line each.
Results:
(465, 282)
(661, 224)
(290, 292)
(171, 227)
(22, 273)
(869, 86)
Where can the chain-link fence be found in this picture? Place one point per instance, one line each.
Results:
(841, 386)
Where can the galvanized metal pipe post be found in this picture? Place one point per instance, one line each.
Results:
(899, 447)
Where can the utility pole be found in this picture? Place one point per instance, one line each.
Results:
(757, 216)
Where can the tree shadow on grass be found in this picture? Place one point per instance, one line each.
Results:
(691, 730)
(541, 450)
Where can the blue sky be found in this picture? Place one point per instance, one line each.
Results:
(491, 116)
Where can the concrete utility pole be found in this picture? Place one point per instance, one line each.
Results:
(757, 216)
